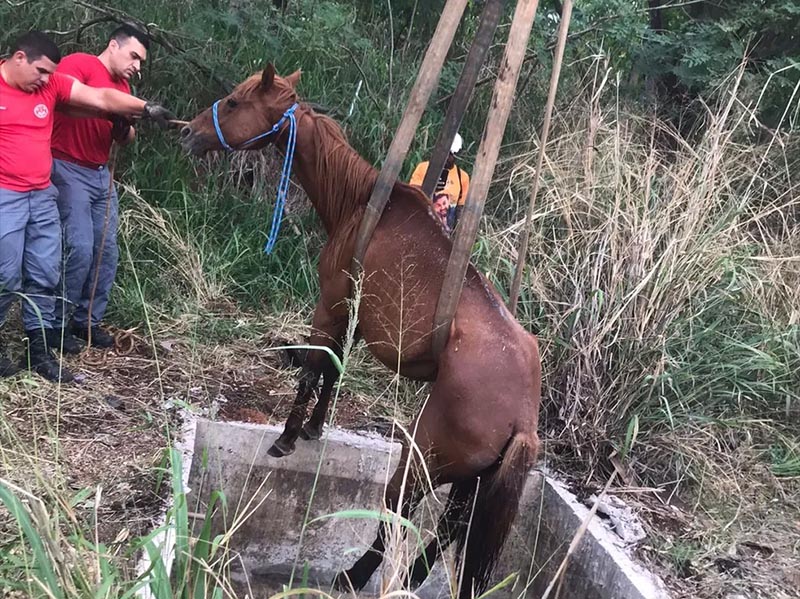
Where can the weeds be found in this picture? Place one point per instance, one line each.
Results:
(653, 284)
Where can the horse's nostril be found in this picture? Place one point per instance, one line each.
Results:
(186, 131)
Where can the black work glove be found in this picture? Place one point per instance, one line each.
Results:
(120, 127)
(156, 112)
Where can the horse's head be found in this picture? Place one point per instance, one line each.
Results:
(252, 108)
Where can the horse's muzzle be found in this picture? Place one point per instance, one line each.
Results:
(193, 141)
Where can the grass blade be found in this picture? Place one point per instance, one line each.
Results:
(42, 572)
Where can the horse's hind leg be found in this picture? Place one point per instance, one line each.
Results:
(450, 527)
(360, 573)
(295, 357)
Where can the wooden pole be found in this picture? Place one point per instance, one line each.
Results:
(427, 81)
(490, 18)
(500, 108)
(522, 252)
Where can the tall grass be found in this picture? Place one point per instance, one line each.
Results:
(663, 285)
(55, 560)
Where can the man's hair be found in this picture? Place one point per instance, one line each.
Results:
(125, 31)
(36, 44)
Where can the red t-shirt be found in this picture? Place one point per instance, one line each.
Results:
(85, 140)
(26, 125)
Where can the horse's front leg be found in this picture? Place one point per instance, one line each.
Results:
(313, 428)
(284, 445)
(328, 331)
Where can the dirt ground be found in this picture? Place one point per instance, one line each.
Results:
(111, 429)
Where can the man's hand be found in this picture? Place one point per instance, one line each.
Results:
(159, 114)
(121, 128)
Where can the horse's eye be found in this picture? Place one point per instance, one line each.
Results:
(232, 103)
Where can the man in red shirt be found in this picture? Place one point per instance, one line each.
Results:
(87, 198)
(30, 227)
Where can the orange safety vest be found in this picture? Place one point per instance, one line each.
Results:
(455, 187)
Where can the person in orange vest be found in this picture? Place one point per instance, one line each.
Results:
(454, 182)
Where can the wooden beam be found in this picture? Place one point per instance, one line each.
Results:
(490, 18)
(499, 111)
(548, 113)
(427, 80)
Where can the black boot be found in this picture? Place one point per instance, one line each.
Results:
(99, 338)
(63, 341)
(7, 367)
(41, 360)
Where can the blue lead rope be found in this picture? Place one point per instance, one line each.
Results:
(286, 171)
(283, 184)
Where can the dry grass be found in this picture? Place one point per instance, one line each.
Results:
(663, 286)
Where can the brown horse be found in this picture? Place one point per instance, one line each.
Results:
(478, 427)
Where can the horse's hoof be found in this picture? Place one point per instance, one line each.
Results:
(280, 450)
(310, 433)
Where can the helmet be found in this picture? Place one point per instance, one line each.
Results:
(457, 143)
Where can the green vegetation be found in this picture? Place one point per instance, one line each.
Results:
(664, 273)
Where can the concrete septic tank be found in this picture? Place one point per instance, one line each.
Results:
(352, 475)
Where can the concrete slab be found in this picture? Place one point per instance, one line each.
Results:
(274, 494)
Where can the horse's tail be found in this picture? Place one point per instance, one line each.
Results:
(489, 515)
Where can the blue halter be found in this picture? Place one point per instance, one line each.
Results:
(283, 185)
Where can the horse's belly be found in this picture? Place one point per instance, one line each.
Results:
(423, 370)
(413, 361)
(395, 319)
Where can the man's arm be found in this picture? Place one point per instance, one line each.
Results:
(68, 68)
(464, 184)
(122, 130)
(105, 100)
(80, 113)
(117, 102)
(130, 137)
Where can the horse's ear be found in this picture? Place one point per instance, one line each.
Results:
(294, 78)
(268, 76)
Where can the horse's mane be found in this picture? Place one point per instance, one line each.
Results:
(348, 185)
(349, 178)
(345, 189)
